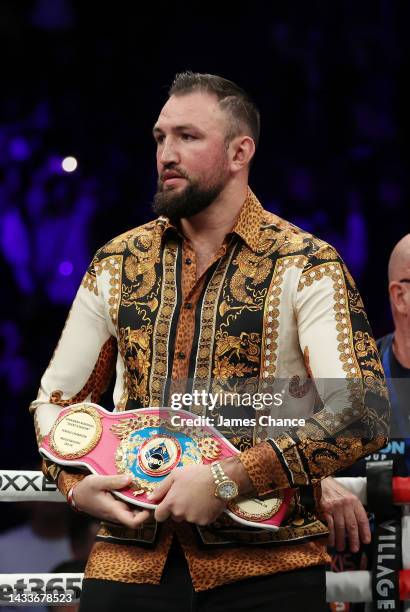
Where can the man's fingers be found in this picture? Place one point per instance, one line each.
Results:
(331, 527)
(165, 509)
(162, 512)
(352, 529)
(340, 530)
(110, 483)
(162, 489)
(131, 518)
(345, 516)
(178, 518)
(363, 523)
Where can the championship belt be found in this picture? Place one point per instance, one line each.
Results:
(148, 444)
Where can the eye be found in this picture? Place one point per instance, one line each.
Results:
(187, 137)
(159, 138)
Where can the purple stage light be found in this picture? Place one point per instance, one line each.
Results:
(66, 268)
(54, 164)
(19, 149)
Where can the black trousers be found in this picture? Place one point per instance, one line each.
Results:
(301, 590)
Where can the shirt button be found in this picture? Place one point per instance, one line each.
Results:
(181, 355)
(188, 306)
(188, 261)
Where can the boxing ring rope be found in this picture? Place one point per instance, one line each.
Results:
(30, 485)
(349, 586)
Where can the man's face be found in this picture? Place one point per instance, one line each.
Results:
(192, 159)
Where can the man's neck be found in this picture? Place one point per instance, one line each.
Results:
(401, 345)
(207, 229)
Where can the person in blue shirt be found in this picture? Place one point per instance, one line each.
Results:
(394, 351)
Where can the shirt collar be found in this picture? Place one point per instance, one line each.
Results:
(247, 225)
(249, 221)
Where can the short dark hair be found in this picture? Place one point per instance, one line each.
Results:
(235, 101)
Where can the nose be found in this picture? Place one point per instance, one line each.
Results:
(167, 152)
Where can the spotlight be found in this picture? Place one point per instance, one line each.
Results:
(69, 164)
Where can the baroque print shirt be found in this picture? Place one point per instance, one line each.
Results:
(276, 305)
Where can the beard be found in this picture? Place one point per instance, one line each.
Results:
(189, 201)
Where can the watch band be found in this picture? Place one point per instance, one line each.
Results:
(218, 473)
(226, 489)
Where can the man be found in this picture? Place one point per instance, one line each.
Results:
(216, 293)
(395, 354)
(394, 351)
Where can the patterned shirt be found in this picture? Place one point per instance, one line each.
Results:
(274, 304)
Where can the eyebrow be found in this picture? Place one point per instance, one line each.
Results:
(177, 128)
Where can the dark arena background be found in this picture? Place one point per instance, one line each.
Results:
(86, 80)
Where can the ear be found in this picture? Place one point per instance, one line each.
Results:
(397, 297)
(241, 150)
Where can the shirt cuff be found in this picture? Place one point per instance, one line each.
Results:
(63, 479)
(264, 469)
(67, 480)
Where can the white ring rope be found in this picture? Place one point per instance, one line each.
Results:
(357, 485)
(349, 586)
(28, 485)
(405, 541)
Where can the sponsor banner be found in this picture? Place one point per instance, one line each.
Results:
(386, 565)
(40, 589)
(26, 486)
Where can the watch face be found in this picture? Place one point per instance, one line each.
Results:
(227, 490)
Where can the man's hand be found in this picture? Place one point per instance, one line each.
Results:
(187, 494)
(93, 496)
(345, 515)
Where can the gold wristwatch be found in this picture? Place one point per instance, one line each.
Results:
(226, 489)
